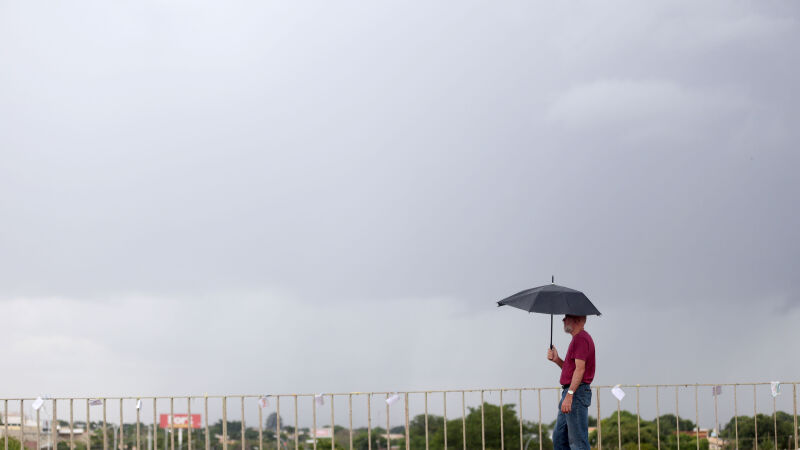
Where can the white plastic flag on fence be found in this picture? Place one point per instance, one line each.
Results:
(618, 392)
(139, 404)
(319, 399)
(37, 403)
(263, 401)
(95, 402)
(390, 401)
(716, 390)
(775, 387)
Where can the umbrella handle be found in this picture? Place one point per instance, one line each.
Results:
(551, 331)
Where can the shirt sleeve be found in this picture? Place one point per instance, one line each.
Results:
(580, 349)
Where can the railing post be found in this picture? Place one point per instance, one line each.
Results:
(638, 421)
(155, 425)
(261, 426)
(224, 423)
(408, 432)
(619, 425)
(755, 418)
(189, 423)
(388, 438)
(775, 420)
(794, 405)
(539, 396)
(5, 422)
(38, 431)
(483, 434)
(350, 415)
(369, 421)
(138, 426)
(205, 411)
(463, 420)
(314, 416)
(105, 434)
(677, 420)
(171, 423)
(54, 425)
(426, 420)
(599, 423)
(502, 436)
(520, 420)
(736, 415)
(658, 422)
(72, 425)
(444, 415)
(22, 421)
(121, 422)
(716, 411)
(696, 417)
(244, 439)
(277, 420)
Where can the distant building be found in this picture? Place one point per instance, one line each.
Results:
(715, 443)
(65, 431)
(14, 420)
(24, 429)
(321, 433)
(701, 434)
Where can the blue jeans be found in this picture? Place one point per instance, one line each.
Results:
(572, 430)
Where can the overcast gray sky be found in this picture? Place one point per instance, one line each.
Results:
(312, 197)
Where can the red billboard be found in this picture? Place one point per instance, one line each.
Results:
(181, 421)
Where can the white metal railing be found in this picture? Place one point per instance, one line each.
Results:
(284, 439)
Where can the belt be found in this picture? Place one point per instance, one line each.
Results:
(566, 386)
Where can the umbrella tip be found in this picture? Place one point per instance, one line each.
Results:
(552, 279)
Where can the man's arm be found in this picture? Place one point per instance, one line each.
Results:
(577, 377)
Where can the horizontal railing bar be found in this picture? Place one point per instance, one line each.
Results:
(433, 391)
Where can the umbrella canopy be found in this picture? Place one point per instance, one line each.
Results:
(552, 299)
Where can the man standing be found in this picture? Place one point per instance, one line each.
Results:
(577, 373)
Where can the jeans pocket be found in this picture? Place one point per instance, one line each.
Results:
(585, 396)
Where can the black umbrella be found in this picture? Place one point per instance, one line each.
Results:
(552, 299)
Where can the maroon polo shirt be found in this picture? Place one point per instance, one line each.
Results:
(581, 347)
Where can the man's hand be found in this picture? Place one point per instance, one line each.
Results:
(566, 404)
(552, 355)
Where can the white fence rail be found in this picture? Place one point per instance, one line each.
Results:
(53, 414)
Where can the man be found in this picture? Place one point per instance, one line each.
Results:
(577, 373)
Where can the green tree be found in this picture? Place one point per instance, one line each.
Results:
(360, 439)
(325, 443)
(766, 430)
(13, 444)
(632, 430)
(629, 431)
(416, 429)
(64, 445)
(475, 432)
(668, 425)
